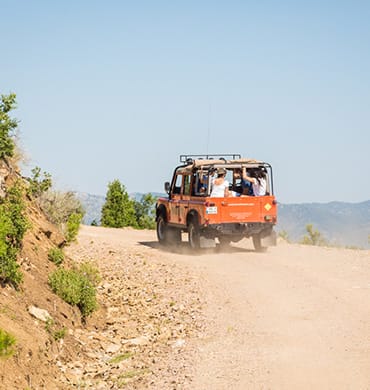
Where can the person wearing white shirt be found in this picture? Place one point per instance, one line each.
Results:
(219, 185)
(258, 180)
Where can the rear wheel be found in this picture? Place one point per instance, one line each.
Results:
(162, 229)
(257, 243)
(194, 235)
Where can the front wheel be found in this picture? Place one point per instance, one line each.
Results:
(194, 235)
(257, 243)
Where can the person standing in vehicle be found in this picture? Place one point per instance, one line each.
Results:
(203, 180)
(258, 179)
(243, 186)
(219, 185)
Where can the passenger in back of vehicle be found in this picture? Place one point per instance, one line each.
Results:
(220, 186)
(242, 186)
(258, 179)
(203, 180)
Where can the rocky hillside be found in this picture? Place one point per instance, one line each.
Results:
(136, 339)
(24, 312)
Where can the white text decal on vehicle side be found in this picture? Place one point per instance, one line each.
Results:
(211, 210)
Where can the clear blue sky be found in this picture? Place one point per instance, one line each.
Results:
(118, 90)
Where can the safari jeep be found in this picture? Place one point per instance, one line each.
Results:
(190, 208)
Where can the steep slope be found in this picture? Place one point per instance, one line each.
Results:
(37, 351)
(134, 339)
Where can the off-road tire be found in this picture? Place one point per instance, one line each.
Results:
(257, 243)
(162, 229)
(194, 235)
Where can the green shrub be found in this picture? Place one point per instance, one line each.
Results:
(89, 271)
(37, 184)
(66, 284)
(57, 334)
(7, 343)
(13, 225)
(75, 288)
(313, 237)
(15, 209)
(8, 125)
(73, 225)
(145, 212)
(10, 271)
(56, 255)
(284, 235)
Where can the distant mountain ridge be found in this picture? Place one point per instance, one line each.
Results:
(341, 223)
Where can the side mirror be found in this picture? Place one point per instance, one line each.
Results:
(167, 186)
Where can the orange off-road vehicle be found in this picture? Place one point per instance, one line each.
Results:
(190, 208)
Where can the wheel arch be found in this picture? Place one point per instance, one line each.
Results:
(161, 210)
(192, 215)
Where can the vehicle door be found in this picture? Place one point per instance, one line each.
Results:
(185, 197)
(174, 202)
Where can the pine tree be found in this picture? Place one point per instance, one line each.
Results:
(118, 210)
(145, 211)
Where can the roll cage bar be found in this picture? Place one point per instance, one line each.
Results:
(226, 162)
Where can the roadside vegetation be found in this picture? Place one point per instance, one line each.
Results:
(56, 256)
(55, 332)
(7, 344)
(63, 209)
(8, 126)
(313, 237)
(284, 235)
(13, 225)
(119, 210)
(77, 286)
(13, 222)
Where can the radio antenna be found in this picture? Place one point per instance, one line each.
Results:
(209, 127)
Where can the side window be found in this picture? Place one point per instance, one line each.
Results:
(200, 184)
(177, 185)
(187, 184)
(268, 184)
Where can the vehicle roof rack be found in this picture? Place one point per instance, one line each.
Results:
(188, 158)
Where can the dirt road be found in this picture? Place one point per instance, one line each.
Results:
(296, 317)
